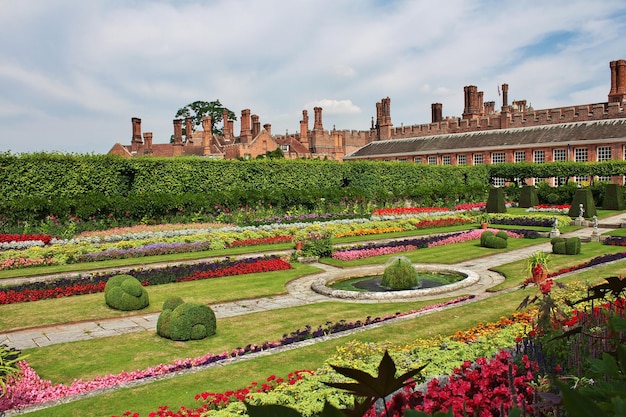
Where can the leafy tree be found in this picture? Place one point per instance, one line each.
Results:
(199, 109)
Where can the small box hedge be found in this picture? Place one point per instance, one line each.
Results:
(563, 246)
(125, 292)
(182, 321)
(497, 241)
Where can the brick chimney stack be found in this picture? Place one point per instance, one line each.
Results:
(304, 129)
(383, 119)
(136, 140)
(207, 134)
(268, 128)
(147, 138)
(317, 124)
(436, 109)
(618, 81)
(256, 126)
(505, 95)
(227, 130)
(189, 129)
(178, 132)
(246, 133)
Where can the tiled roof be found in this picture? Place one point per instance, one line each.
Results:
(564, 133)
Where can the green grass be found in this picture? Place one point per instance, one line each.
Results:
(448, 254)
(515, 272)
(114, 354)
(93, 307)
(182, 389)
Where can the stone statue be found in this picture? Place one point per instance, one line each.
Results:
(581, 211)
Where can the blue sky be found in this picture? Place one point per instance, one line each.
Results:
(73, 73)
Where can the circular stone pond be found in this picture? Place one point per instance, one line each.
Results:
(373, 290)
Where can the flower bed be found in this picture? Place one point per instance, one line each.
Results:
(304, 218)
(538, 220)
(615, 241)
(20, 241)
(66, 287)
(376, 249)
(261, 241)
(550, 208)
(404, 211)
(31, 389)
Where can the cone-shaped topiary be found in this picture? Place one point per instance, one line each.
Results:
(400, 274)
(583, 196)
(528, 196)
(613, 198)
(185, 321)
(495, 202)
(124, 292)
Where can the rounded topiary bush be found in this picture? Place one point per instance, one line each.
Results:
(400, 274)
(185, 321)
(124, 292)
(497, 241)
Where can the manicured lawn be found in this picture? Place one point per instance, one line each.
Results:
(181, 390)
(92, 306)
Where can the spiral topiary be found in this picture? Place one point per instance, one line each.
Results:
(185, 321)
(124, 292)
(400, 274)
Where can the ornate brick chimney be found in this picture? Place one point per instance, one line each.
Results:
(189, 130)
(304, 129)
(383, 119)
(246, 132)
(207, 135)
(268, 128)
(256, 126)
(147, 139)
(317, 123)
(136, 140)
(618, 81)
(178, 132)
(436, 109)
(473, 102)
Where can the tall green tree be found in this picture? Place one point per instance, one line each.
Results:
(199, 109)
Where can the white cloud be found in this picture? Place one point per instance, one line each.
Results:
(94, 65)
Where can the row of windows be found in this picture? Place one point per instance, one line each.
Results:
(603, 153)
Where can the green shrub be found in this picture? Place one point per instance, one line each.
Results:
(484, 236)
(528, 196)
(585, 197)
(124, 292)
(185, 321)
(572, 246)
(497, 241)
(400, 274)
(613, 197)
(495, 202)
(569, 246)
(502, 235)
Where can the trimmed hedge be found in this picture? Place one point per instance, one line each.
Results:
(497, 241)
(583, 196)
(124, 292)
(528, 197)
(185, 321)
(495, 202)
(613, 197)
(563, 246)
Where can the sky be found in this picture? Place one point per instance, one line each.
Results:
(73, 72)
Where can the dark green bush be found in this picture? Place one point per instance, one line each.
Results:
(400, 274)
(484, 236)
(613, 197)
(569, 246)
(124, 292)
(585, 197)
(489, 240)
(528, 196)
(502, 234)
(572, 246)
(186, 321)
(495, 202)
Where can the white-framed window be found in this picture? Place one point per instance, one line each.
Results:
(386, 160)
(498, 182)
(559, 155)
(401, 159)
(478, 159)
(498, 158)
(539, 157)
(539, 180)
(519, 156)
(432, 160)
(580, 154)
(445, 160)
(462, 159)
(417, 159)
(603, 153)
(284, 148)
